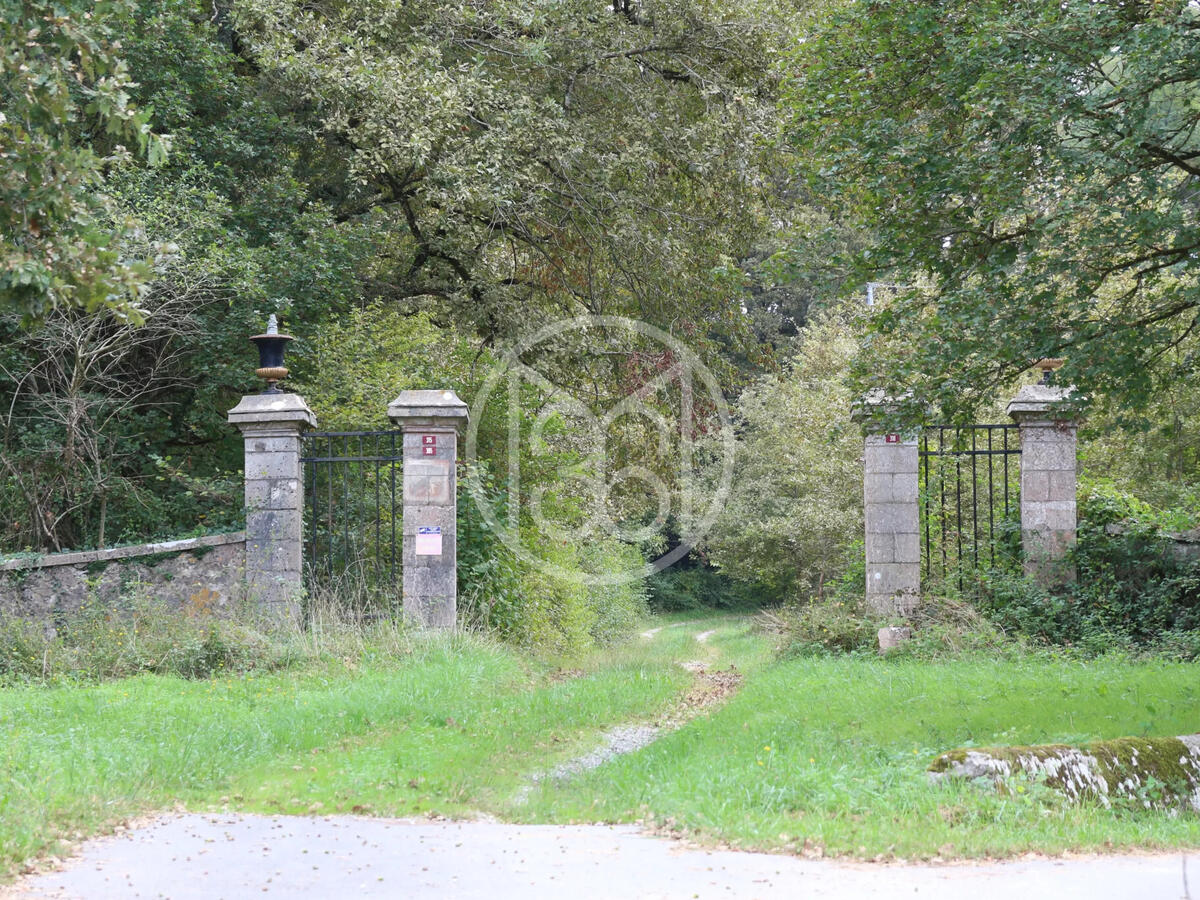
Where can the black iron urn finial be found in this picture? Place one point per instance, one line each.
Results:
(1048, 367)
(270, 355)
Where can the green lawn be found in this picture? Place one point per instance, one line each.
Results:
(829, 751)
(832, 753)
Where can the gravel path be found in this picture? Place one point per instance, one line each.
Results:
(208, 857)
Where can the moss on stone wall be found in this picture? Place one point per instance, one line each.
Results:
(1160, 772)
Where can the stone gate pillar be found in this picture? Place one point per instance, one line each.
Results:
(891, 515)
(1048, 462)
(432, 422)
(271, 426)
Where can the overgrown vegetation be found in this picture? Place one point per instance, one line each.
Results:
(374, 721)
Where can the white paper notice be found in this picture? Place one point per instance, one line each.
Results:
(429, 540)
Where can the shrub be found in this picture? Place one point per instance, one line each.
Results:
(693, 585)
(796, 503)
(1130, 590)
(828, 627)
(616, 608)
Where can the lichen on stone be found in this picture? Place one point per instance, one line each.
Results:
(1146, 772)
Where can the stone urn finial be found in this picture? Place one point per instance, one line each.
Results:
(1048, 365)
(271, 345)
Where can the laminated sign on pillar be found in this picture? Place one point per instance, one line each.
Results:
(431, 422)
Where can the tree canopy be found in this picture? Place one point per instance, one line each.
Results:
(1030, 172)
(570, 157)
(65, 115)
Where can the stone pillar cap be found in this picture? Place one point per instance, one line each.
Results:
(435, 408)
(261, 408)
(1040, 401)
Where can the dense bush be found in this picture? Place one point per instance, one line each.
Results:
(691, 584)
(824, 627)
(1131, 589)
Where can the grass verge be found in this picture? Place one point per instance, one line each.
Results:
(456, 725)
(828, 755)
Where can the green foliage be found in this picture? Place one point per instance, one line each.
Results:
(1022, 165)
(563, 599)
(66, 109)
(692, 584)
(795, 507)
(1131, 590)
(829, 627)
(620, 606)
(558, 157)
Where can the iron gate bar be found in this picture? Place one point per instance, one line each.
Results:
(951, 535)
(356, 498)
(974, 503)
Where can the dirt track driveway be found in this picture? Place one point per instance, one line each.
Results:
(214, 856)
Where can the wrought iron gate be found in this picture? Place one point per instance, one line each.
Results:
(970, 501)
(353, 505)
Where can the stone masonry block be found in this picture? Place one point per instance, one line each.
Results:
(290, 444)
(430, 612)
(429, 489)
(892, 637)
(429, 465)
(1061, 486)
(408, 548)
(908, 548)
(880, 440)
(414, 439)
(1049, 433)
(1035, 486)
(273, 493)
(427, 581)
(1048, 516)
(273, 556)
(893, 578)
(905, 486)
(418, 454)
(262, 466)
(877, 487)
(901, 603)
(1058, 456)
(888, 487)
(442, 517)
(892, 518)
(1047, 543)
(890, 458)
(273, 524)
(880, 548)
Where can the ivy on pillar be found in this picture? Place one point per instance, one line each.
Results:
(1048, 471)
(272, 424)
(432, 422)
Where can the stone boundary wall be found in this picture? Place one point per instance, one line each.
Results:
(206, 573)
(1183, 545)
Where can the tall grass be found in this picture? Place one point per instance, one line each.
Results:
(378, 719)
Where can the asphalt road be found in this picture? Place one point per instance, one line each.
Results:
(215, 856)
